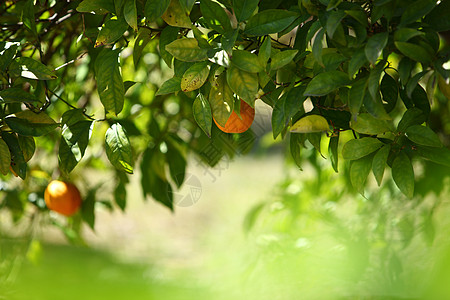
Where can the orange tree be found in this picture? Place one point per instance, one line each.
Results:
(82, 84)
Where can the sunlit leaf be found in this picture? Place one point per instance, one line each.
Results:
(32, 69)
(215, 16)
(195, 77)
(246, 61)
(73, 144)
(176, 16)
(111, 31)
(282, 58)
(28, 146)
(187, 49)
(221, 100)
(326, 82)
(5, 157)
(202, 114)
(244, 84)
(357, 148)
(423, 135)
(118, 148)
(12, 95)
(285, 108)
(28, 123)
(311, 123)
(170, 86)
(367, 124)
(97, 6)
(130, 13)
(269, 21)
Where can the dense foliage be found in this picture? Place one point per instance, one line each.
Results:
(83, 83)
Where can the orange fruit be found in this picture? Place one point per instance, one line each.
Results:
(62, 197)
(235, 124)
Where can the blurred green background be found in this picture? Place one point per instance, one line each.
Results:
(261, 229)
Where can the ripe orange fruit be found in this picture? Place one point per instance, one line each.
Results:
(62, 197)
(237, 125)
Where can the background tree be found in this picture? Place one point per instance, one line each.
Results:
(372, 75)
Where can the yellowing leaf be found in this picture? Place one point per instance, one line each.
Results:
(311, 123)
(195, 77)
(187, 49)
(176, 16)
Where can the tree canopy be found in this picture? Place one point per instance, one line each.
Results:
(83, 85)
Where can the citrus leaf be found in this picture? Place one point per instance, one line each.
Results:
(359, 170)
(285, 108)
(403, 174)
(423, 135)
(367, 124)
(155, 9)
(168, 35)
(28, 123)
(333, 21)
(405, 34)
(416, 11)
(202, 114)
(187, 49)
(18, 163)
(32, 69)
(243, 9)
(244, 84)
(311, 123)
(269, 21)
(144, 36)
(7, 55)
(357, 148)
(326, 82)
(389, 90)
(176, 16)
(246, 61)
(333, 151)
(120, 193)
(375, 106)
(118, 148)
(73, 144)
(282, 58)
(130, 13)
(195, 77)
(27, 145)
(295, 146)
(111, 31)
(28, 17)
(412, 116)
(177, 163)
(215, 16)
(100, 7)
(414, 52)
(356, 62)
(379, 163)
(375, 46)
(170, 86)
(16, 95)
(356, 95)
(437, 155)
(109, 80)
(264, 51)
(5, 157)
(221, 100)
(437, 18)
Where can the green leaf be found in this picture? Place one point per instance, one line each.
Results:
(375, 46)
(244, 84)
(195, 77)
(88, 208)
(295, 146)
(12, 95)
(412, 116)
(246, 61)
(403, 174)
(405, 67)
(32, 69)
(100, 7)
(118, 148)
(334, 19)
(333, 151)
(420, 99)
(405, 34)
(379, 162)
(311, 123)
(155, 9)
(18, 163)
(176, 16)
(315, 139)
(356, 95)
(326, 82)
(177, 163)
(358, 15)
(74, 141)
(375, 106)
(285, 108)
(389, 90)
(28, 123)
(27, 145)
(5, 157)
(202, 114)
(7, 55)
(414, 52)
(111, 31)
(243, 9)
(437, 155)
(120, 195)
(359, 170)
(416, 11)
(28, 17)
(265, 51)
(332, 4)
(187, 49)
(356, 62)
(317, 46)
(130, 13)
(423, 135)
(437, 18)
(215, 16)
(144, 36)
(412, 83)
(374, 80)
(170, 86)
(282, 58)
(269, 21)
(168, 35)
(221, 100)
(366, 124)
(357, 148)
(109, 80)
